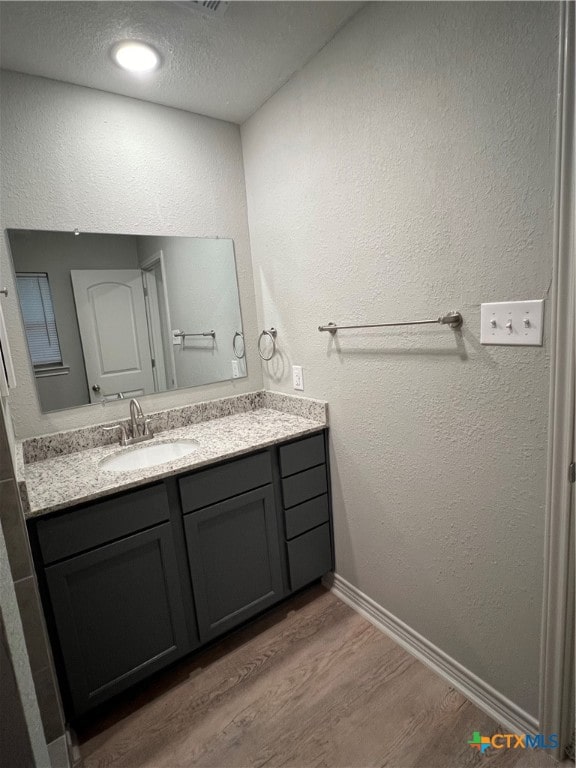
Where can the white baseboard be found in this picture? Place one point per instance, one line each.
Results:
(486, 698)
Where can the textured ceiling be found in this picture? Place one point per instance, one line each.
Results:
(225, 66)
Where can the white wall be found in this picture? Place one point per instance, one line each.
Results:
(57, 253)
(75, 157)
(407, 170)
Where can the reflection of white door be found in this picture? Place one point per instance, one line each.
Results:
(113, 328)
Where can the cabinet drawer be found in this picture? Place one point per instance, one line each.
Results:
(97, 523)
(213, 485)
(310, 556)
(304, 486)
(305, 516)
(301, 455)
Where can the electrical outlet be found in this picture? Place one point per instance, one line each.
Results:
(297, 377)
(235, 369)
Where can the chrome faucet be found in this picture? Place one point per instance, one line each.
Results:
(136, 417)
(139, 428)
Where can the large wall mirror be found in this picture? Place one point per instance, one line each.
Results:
(112, 316)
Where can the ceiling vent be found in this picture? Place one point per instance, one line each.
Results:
(205, 7)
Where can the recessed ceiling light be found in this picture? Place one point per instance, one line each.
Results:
(135, 56)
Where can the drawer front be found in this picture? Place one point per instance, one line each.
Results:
(86, 527)
(218, 483)
(306, 516)
(309, 556)
(302, 455)
(303, 486)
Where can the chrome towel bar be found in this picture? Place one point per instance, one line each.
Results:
(452, 319)
(182, 335)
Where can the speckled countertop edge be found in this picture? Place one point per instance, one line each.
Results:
(63, 481)
(53, 444)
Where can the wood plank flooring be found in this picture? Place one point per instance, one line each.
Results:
(310, 685)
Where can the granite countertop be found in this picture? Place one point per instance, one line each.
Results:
(62, 481)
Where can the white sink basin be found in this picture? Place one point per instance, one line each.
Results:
(147, 455)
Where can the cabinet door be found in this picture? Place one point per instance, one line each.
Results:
(119, 614)
(234, 554)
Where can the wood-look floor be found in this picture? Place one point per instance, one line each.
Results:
(310, 684)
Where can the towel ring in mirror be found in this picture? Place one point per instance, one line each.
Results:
(272, 333)
(235, 344)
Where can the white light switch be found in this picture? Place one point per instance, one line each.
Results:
(512, 322)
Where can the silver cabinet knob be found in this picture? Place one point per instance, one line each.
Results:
(4, 291)
(96, 388)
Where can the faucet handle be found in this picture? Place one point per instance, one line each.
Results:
(122, 428)
(147, 429)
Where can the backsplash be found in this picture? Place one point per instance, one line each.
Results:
(74, 440)
(317, 410)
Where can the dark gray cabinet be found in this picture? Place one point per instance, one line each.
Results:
(134, 581)
(304, 470)
(119, 614)
(310, 556)
(234, 556)
(224, 481)
(100, 522)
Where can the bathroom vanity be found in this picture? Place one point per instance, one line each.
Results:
(137, 578)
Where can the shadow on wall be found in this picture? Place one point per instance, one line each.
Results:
(278, 366)
(455, 346)
(364, 344)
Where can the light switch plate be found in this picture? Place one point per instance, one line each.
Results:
(512, 322)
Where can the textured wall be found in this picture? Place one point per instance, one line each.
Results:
(408, 170)
(75, 157)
